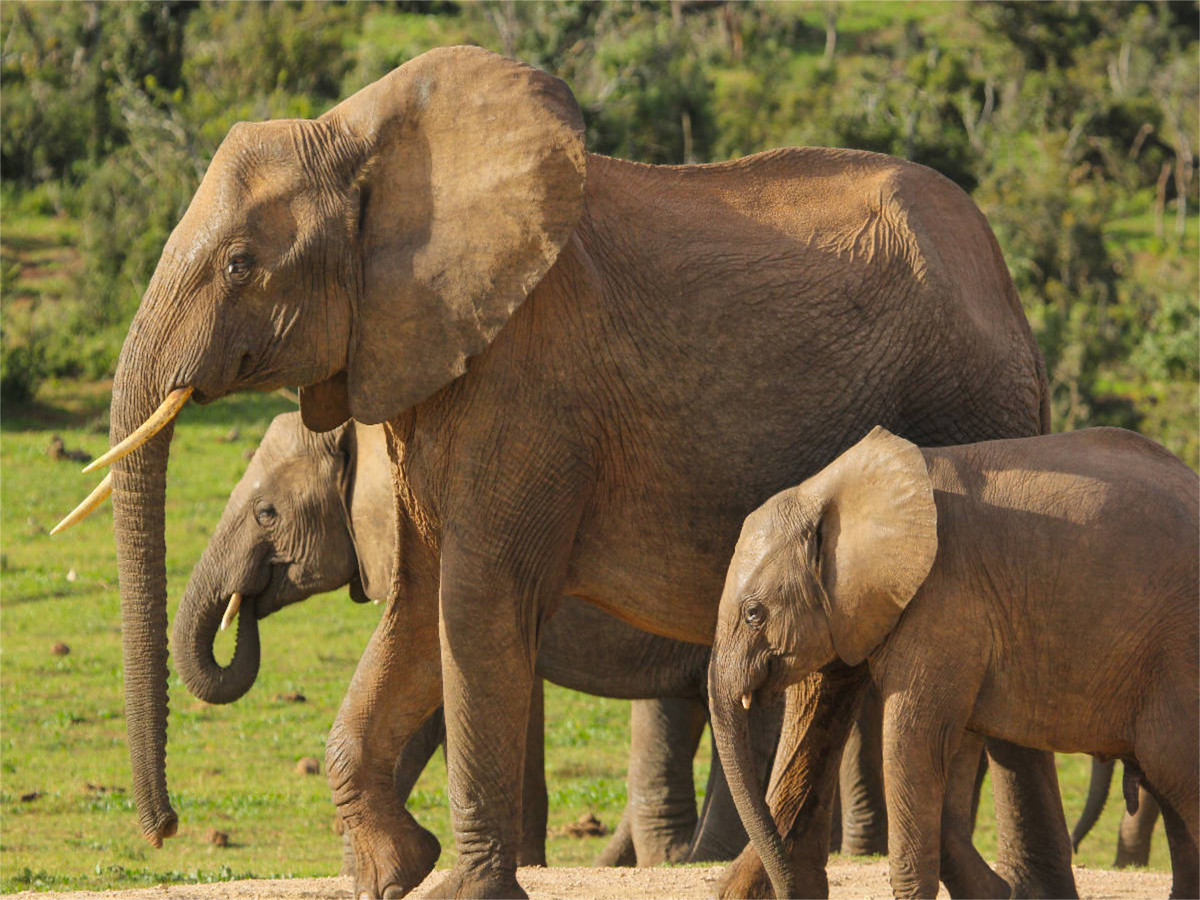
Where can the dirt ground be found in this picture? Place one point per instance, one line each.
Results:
(867, 880)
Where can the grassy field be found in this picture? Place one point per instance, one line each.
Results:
(66, 814)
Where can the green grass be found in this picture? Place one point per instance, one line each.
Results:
(229, 768)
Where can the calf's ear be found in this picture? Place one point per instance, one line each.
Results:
(878, 538)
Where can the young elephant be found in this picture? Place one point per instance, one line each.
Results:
(315, 512)
(1040, 590)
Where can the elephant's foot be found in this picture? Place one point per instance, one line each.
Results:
(460, 882)
(389, 864)
(1037, 882)
(747, 878)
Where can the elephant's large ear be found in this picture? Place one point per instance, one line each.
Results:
(471, 182)
(878, 535)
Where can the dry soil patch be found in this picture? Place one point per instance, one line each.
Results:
(846, 879)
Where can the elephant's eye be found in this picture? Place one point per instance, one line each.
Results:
(754, 614)
(239, 266)
(265, 514)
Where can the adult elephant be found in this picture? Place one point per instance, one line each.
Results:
(591, 370)
(314, 512)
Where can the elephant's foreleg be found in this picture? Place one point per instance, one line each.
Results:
(964, 871)
(1033, 846)
(664, 735)
(491, 614)
(411, 763)
(396, 686)
(818, 716)
(864, 810)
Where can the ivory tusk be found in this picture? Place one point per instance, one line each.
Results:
(166, 411)
(235, 603)
(746, 698)
(84, 509)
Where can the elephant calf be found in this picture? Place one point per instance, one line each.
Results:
(1045, 591)
(315, 512)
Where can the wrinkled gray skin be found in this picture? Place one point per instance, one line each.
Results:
(1137, 824)
(1043, 590)
(322, 517)
(591, 371)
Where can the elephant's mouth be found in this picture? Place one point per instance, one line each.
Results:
(271, 598)
(767, 680)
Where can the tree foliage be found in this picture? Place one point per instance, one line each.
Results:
(1073, 125)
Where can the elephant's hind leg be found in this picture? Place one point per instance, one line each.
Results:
(1136, 831)
(1034, 846)
(1168, 760)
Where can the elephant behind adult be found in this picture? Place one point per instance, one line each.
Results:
(591, 370)
(1137, 822)
(314, 512)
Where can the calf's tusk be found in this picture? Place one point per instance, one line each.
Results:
(84, 509)
(167, 410)
(746, 698)
(235, 603)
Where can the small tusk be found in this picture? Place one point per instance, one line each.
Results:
(235, 603)
(84, 509)
(166, 411)
(746, 698)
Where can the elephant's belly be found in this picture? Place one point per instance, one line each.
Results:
(1061, 724)
(661, 579)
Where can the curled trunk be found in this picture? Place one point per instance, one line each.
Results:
(731, 732)
(139, 491)
(196, 626)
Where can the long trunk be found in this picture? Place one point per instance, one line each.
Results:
(139, 490)
(731, 732)
(1102, 773)
(196, 625)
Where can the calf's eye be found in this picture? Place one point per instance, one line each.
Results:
(265, 514)
(238, 266)
(754, 614)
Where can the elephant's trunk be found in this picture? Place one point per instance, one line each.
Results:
(196, 626)
(731, 732)
(139, 490)
(1102, 773)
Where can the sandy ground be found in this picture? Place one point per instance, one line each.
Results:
(845, 880)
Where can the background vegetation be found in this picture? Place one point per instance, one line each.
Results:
(1073, 125)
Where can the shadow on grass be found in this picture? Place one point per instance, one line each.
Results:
(84, 405)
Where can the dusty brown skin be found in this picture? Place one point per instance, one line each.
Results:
(1045, 591)
(591, 371)
(314, 512)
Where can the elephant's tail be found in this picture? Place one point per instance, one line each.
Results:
(1102, 773)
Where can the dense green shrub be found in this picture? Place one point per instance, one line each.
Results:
(1075, 127)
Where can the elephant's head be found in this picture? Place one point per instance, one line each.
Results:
(288, 532)
(821, 571)
(364, 256)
